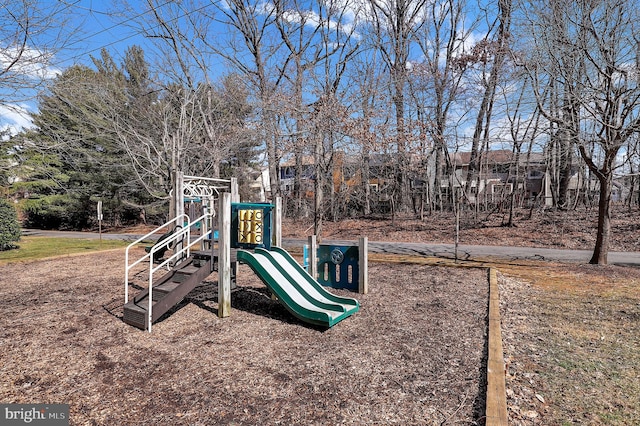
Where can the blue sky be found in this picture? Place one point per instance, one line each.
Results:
(81, 30)
(99, 27)
(71, 31)
(89, 26)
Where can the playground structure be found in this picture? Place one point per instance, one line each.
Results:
(343, 266)
(249, 233)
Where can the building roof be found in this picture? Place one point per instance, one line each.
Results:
(499, 156)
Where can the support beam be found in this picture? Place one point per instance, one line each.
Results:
(235, 194)
(179, 196)
(277, 223)
(363, 265)
(313, 256)
(496, 402)
(224, 256)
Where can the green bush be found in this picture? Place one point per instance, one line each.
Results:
(9, 226)
(49, 212)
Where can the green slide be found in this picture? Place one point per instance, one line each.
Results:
(296, 289)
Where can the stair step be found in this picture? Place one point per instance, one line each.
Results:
(170, 290)
(207, 254)
(199, 254)
(135, 315)
(166, 287)
(184, 273)
(191, 269)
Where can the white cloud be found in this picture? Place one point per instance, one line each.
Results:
(29, 62)
(345, 10)
(14, 118)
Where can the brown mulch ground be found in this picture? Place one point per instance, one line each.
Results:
(413, 354)
(570, 332)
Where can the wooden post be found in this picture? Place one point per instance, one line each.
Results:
(363, 266)
(100, 219)
(224, 256)
(313, 256)
(276, 236)
(235, 194)
(172, 200)
(179, 196)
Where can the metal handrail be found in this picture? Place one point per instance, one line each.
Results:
(128, 266)
(179, 236)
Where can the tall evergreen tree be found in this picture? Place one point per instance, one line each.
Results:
(74, 125)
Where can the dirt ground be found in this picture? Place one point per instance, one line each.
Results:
(571, 347)
(413, 354)
(574, 229)
(570, 332)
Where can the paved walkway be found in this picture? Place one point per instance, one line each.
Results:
(471, 252)
(78, 234)
(465, 252)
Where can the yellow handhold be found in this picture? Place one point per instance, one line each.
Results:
(250, 226)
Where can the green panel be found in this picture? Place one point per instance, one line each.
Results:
(338, 266)
(239, 226)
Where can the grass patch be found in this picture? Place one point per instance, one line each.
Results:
(575, 340)
(34, 248)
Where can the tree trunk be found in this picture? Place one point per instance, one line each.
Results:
(564, 166)
(402, 179)
(601, 249)
(485, 111)
(318, 187)
(366, 209)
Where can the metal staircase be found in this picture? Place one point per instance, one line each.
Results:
(186, 269)
(169, 290)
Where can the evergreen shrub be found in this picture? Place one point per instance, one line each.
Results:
(9, 226)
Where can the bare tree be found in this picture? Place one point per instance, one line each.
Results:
(524, 129)
(300, 32)
(158, 151)
(368, 126)
(491, 54)
(31, 35)
(437, 82)
(395, 23)
(602, 91)
(195, 124)
(338, 44)
(253, 53)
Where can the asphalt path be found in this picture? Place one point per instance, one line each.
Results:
(446, 251)
(481, 253)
